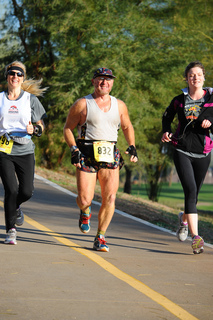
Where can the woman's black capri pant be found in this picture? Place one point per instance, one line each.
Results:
(191, 172)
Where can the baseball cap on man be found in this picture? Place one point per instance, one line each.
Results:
(103, 72)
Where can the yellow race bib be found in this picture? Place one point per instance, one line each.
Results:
(103, 151)
(5, 145)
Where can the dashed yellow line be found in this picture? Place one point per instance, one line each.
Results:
(134, 283)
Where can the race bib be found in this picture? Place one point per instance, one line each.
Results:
(5, 145)
(103, 151)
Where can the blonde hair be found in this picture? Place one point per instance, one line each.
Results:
(29, 85)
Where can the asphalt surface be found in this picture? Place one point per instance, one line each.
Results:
(54, 274)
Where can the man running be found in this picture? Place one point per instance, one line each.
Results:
(98, 117)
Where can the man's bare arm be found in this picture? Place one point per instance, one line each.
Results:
(76, 116)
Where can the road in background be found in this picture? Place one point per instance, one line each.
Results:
(53, 273)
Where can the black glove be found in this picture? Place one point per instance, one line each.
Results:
(75, 156)
(132, 151)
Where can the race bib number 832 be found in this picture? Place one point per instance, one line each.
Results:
(103, 151)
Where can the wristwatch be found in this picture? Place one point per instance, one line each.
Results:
(73, 148)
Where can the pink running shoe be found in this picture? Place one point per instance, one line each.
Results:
(10, 237)
(197, 244)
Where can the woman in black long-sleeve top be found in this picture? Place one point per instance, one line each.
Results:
(193, 145)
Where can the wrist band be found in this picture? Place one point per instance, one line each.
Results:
(73, 148)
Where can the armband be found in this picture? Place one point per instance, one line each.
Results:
(37, 130)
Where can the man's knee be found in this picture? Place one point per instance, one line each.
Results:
(83, 202)
(109, 199)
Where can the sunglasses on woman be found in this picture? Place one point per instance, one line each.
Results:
(13, 73)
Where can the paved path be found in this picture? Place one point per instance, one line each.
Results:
(53, 273)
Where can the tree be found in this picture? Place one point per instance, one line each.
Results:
(146, 43)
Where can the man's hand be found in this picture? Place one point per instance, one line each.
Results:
(133, 153)
(76, 157)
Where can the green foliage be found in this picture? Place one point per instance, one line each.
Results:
(146, 43)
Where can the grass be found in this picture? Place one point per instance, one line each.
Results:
(173, 196)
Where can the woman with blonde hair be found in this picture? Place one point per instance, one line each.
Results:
(21, 118)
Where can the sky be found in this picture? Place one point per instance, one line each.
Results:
(3, 4)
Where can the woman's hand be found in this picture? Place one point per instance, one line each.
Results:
(206, 124)
(166, 137)
(30, 128)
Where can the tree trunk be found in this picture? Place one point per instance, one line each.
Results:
(127, 185)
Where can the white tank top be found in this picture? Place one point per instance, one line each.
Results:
(14, 114)
(100, 125)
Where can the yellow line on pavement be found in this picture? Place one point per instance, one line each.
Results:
(136, 284)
